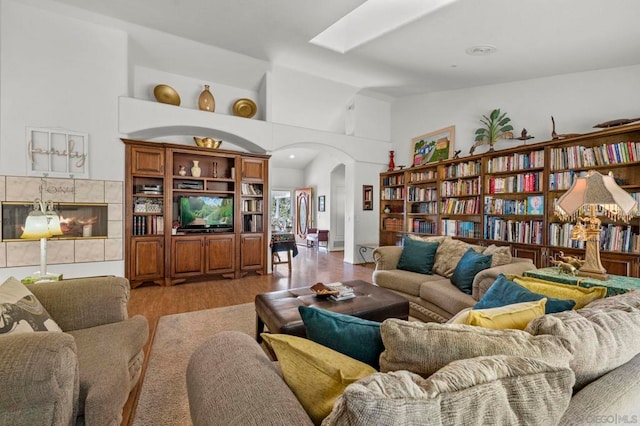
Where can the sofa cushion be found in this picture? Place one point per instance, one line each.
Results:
(505, 292)
(515, 316)
(417, 256)
(429, 238)
(449, 252)
(501, 255)
(445, 295)
(316, 374)
(604, 335)
(105, 375)
(355, 337)
(498, 390)
(469, 265)
(405, 281)
(20, 310)
(581, 295)
(424, 348)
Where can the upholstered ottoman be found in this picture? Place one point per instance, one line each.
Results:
(278, 310)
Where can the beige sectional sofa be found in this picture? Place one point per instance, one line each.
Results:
(434, 297)
(549, 374)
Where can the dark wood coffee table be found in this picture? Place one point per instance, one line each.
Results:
(278, 310)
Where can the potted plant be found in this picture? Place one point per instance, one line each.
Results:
(497, 127)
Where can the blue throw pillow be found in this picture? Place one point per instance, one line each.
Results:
(469, 265)
(505, 292)
(417, 256)
(352, 336)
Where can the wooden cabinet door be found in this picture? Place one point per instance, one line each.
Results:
(220, 254)
(626, 266)
(253, 169)
(252, 252)
(187, 254)
(147, 258)
(147, 161)
(527, 252)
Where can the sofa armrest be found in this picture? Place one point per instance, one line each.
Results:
(484, 279)
(387, 257)
(84, 302)
(230, 380)
(39, 379)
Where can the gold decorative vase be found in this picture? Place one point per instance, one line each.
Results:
(206, 102)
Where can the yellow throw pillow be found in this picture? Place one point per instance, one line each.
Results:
(582, 295)
(516, 316)
(316, 374)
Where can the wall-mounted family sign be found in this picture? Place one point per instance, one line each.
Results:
(57, 153)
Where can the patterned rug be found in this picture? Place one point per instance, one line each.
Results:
(163, 398)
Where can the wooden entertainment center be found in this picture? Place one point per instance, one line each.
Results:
(507, 197)
(222, 194)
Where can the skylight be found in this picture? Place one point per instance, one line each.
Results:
(372, 19)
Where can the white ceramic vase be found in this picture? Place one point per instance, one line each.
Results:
(195, 170)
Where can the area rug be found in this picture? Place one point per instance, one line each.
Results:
(163, 398)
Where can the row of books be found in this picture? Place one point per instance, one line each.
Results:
(460, 187)
(459, 228)
(148, 225)
(516, 161)
(463, 206)
(563, 180)
(251, 189)
(392, 224)
(422, 194)
(422, 226)
(470, 168)
(514, 231)
(532, 205)
(252, 223)
(392, 193)
(523, 182)
(425, 207)
(580, 156)
(393, 180)
(252, 205)
(420, 176)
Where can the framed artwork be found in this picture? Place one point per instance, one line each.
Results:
(321, 203)
(57, 153)
(433, 147)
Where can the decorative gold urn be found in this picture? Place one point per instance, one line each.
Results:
(207, 142)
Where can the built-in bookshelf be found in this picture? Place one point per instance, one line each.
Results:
(507, 197)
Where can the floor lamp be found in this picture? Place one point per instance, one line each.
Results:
(42, 223)
(590, 196)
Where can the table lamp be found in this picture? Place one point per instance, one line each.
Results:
(590, 194)
(42, 222)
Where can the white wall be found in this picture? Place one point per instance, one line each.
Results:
(284, 178)
(577, 102)
(67, 74)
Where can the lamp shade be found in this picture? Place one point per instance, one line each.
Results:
(54, 223)
(36, 226)
(600, 191)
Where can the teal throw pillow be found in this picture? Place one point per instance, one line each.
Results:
(468, 266)
(417, 256)
(505, 292)
(352, 336)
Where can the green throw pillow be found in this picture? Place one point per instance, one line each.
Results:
(469, 265)
(355, 337)
(505, 292)
(417, 256)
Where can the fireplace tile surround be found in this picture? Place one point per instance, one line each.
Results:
(27, 253)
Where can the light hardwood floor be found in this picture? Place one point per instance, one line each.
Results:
(309, 267)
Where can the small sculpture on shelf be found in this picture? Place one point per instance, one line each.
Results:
(524, 136)
(392, 164)
(556, 136)
(456, 154)
(182, 171)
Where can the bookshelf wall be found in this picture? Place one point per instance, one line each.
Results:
(507, 197)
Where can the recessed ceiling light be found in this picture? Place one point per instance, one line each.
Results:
(292, 156)
(372, 19)
(481, 50)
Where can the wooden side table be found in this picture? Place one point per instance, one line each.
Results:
(616, 284)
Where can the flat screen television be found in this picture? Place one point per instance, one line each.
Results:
(213, 213)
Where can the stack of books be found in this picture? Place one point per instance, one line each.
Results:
(344, 292)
